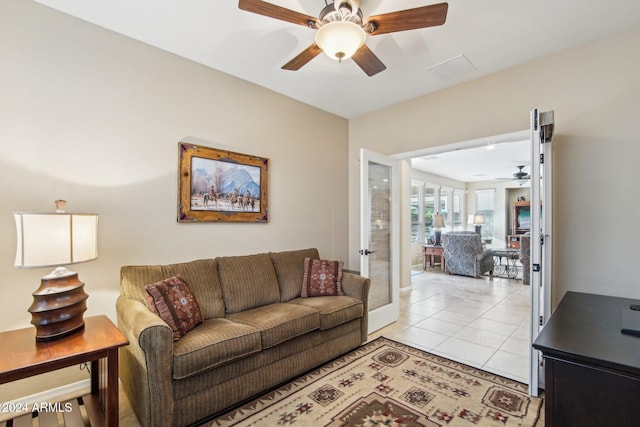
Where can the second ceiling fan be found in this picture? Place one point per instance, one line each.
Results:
(342, 30)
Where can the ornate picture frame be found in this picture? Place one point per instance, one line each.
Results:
(221, 186)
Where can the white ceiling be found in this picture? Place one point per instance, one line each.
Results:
(490, 162)
(491, 34)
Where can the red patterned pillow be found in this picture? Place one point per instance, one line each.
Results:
(321, 278)
(172, 300)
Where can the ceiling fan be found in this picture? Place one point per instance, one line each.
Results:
(520, 177)
(342, 29)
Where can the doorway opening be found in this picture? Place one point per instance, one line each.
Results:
(483, 322)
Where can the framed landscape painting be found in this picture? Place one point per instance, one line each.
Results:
(221, 186)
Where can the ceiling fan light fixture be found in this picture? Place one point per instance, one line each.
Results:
(340, 39)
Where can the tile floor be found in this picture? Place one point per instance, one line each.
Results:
(480, 322)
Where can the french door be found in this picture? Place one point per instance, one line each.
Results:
(542, 124)
(380, 235)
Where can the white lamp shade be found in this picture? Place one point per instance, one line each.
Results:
(54, 239)
(340, 39)
(478, 219)
(439, 221)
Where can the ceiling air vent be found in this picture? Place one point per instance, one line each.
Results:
(455, 67)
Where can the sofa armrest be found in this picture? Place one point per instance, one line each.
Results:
(357, 287)
(146, 364)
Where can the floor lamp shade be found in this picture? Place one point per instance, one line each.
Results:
(54, 240)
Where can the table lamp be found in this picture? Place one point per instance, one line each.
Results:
(478, 220)
(438, 223)
(54, 239)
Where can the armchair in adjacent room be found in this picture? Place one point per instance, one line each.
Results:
(525, 255)
(465, 255)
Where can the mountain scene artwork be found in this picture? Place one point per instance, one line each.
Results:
(220, 185)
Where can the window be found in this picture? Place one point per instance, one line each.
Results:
(427, 199)
(485, 205)
(445, 203)
(429, 207)
(416, 218)
(457, 210)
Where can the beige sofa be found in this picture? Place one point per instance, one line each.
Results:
(257, 332)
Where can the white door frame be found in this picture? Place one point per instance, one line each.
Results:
(542, 124)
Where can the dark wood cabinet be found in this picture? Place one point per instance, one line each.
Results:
(592, 370)
(513, 241)
(521, 217)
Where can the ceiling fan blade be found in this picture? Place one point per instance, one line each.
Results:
(277, 12)
(368, 61)
(303, 57)
(410, 19)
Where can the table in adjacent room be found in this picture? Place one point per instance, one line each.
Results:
(505, 262)
(430, 252)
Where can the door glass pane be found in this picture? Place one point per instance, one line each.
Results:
(380, 260)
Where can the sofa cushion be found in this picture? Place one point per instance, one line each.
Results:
(289, 268)
(247, 282)
(213, 343)
(279, 322)
(172, 300)
(321, 278)
(334, 310)
(201, 275)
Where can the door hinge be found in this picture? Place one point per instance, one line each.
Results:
(541, 320)
(542, 158)
(535, 267)
(542, 240)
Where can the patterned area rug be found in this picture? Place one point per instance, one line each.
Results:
(385, 383)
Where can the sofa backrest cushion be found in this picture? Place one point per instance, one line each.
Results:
(201, 276)
(462, 242)
(247, 282)
(289, 268)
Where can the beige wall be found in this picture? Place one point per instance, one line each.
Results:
(95, 118)
(594, 90)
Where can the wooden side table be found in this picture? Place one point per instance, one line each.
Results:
(429, 254)
(98, 342)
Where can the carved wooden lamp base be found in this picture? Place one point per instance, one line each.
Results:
(58, 305)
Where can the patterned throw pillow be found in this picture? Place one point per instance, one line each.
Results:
(172, 300)
(321, 278)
